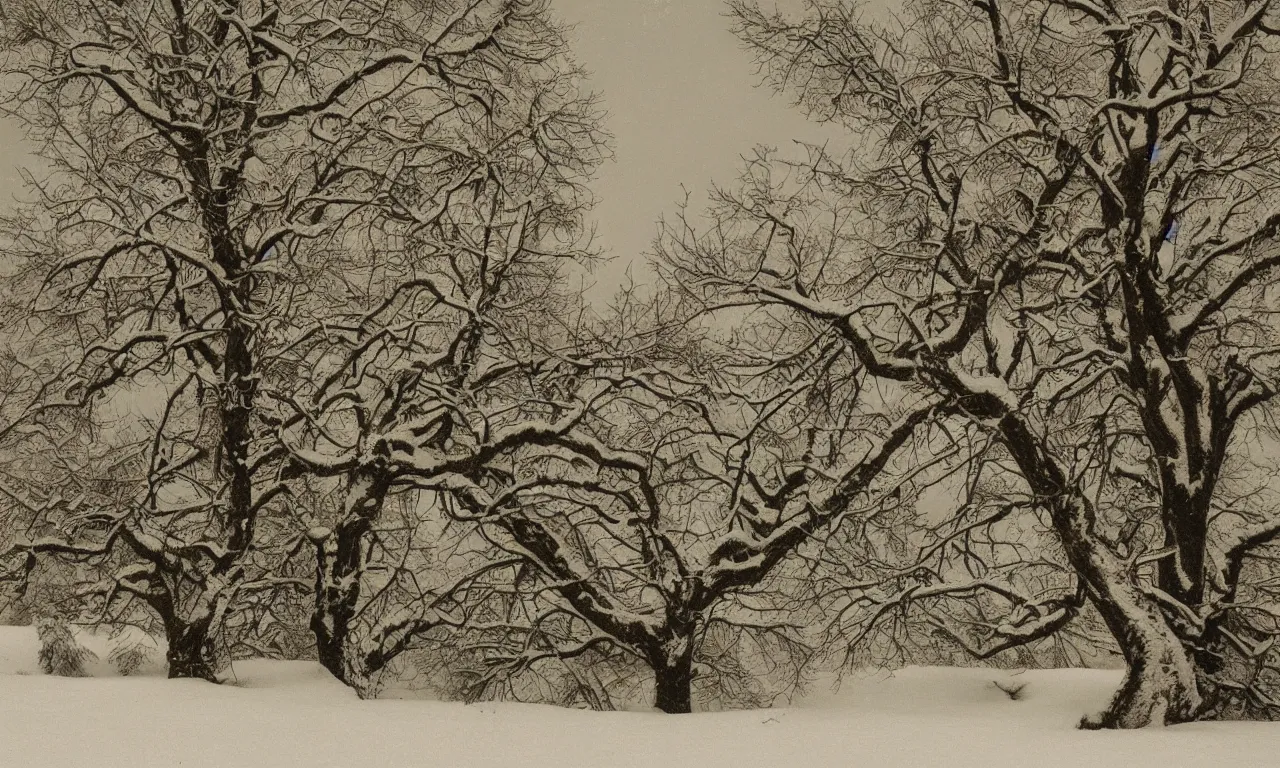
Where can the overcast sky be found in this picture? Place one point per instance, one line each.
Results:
(682, 107)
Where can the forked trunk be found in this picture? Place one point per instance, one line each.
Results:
(1160, 684)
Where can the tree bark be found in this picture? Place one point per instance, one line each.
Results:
(336, 597)
(339, 561)
(1161, 683)
(1185, 514)
(240, 390)
(673, 676)
(191, 652)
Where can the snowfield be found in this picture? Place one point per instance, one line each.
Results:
(293, 714)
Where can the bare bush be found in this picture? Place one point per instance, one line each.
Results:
(60, 654)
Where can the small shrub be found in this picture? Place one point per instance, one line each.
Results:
(133, 651)
(60, 654)
(128, 659)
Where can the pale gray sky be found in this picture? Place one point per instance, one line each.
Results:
(682, 108)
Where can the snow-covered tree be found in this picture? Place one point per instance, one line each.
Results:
(60, 654)
(670, 523)
(1059, 218)
(456, 331)
(209, 163)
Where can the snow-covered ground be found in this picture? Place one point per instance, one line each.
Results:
(284, 714)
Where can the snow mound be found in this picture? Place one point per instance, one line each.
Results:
(20, 649)
(277, 714)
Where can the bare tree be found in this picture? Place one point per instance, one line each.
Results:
(922, 540)
(460, 345)
(1059, 219)
(207, 158)
(664, 524)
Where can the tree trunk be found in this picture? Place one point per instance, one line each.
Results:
(240, 390)
(1161, 682)
(191, 652)
(337, 594)
(1185, 514)
(673, 677)
(339, 561)
(1160, 685)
